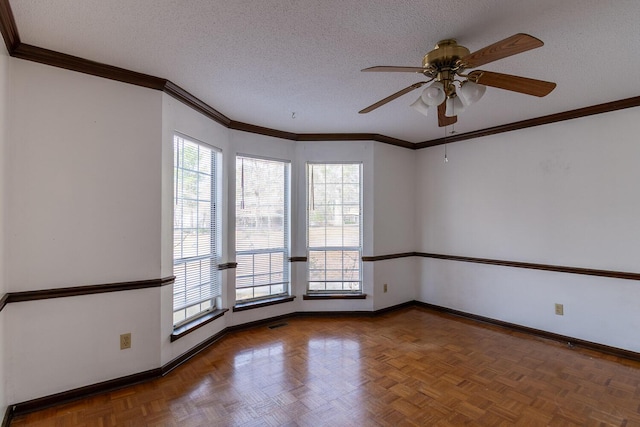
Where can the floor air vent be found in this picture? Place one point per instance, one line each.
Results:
(277, 325)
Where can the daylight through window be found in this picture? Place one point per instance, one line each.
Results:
(262, 228)
(334, 227)
(195, 229)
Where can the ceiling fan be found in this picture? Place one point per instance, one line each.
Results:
(448, 60)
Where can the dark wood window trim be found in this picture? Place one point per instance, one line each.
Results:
(195, 324)
(250, 305)
(323, 296)
(227, 266)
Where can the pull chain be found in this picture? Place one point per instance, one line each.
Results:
(446, 159)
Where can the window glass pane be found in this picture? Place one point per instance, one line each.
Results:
(334, 227)
(178, 316)
(351, 230)
(195, 234)
(317, 286)
(262, 226)
(189, 243)
(245, 265)
(205, 161)
(188, 188)
(244, 294)
(204, 187)
(351, 173)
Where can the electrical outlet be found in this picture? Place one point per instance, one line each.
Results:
(559, 309)
(384, 288)
(125, 341)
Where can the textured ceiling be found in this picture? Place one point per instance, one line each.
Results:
(260, 61)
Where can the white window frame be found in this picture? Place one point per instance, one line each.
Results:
(310, 249)
(208, 263)
(285, 250)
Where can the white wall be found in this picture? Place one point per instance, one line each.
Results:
(562, 194)
(394, 225)
(64, 343)
(83, 199)
(83, 172)
(4, 121)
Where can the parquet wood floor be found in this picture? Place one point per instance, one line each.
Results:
(410, 367)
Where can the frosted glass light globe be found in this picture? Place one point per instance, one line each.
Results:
(420, 106)
(434, 94)
(471, 92)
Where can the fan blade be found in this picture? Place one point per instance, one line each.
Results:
(515, 44)
(513, 83)
(391, 97)
(444, 120)
(392, 69)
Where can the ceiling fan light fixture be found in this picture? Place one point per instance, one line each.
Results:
(420, 106)
(470, 92)
(451, 91)
(454, 106)
(434, 94)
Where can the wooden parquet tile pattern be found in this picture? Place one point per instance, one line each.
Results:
(410, 367)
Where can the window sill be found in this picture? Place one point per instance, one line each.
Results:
(262, 303)
(333, 296)
(197, 323)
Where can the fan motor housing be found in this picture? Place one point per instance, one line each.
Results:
(445, 54)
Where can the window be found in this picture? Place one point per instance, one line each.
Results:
(196, 230)
(262, 228)
(334, 227)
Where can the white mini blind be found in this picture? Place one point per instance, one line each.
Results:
(196, 229)
(334, 227)
(262, 228)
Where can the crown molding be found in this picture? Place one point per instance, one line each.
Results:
(17, 49)
(3, 301)
(355, 137)
(185, 97)
(81, 65)
(8, 27)
(247, 127)
(538, 121)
